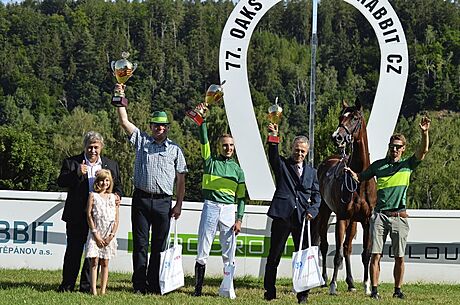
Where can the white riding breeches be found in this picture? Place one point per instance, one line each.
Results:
(215, 216)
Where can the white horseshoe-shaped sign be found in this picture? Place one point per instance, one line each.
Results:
(238, 103)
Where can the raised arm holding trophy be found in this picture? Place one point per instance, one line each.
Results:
(122, 70)
(213, 95)
(274, 116)
(224, 192)
(159, 173)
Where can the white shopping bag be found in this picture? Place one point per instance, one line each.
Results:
(306, 273)
(171, 270)
(227, 289)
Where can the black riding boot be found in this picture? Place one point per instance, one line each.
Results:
(199, 278)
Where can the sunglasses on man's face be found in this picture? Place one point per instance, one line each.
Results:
(393, 146)
(160, 124)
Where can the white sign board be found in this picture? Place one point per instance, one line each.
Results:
(238, 103)
(32, 235)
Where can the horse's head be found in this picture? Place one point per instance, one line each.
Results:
(350, 123)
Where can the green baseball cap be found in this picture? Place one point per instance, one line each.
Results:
(159, 117)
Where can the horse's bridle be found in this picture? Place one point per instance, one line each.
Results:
(349, 183)
(349, 139)
(349, 135)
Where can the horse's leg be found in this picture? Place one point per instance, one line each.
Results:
(322, 225)
(347, 251)
(366, 256)
(338, 257)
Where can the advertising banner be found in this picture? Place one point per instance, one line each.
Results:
(32, 235)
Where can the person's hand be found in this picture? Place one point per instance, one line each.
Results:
(117, 200)
(119, 89)
(176, 210)
(203, 109)
(237, 227)
(272, 127)
(108, 239)
(309, 216)
(99, 241)
(352, 173)
(425, 124)
(82, 169)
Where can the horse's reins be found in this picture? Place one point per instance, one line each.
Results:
(351, 184)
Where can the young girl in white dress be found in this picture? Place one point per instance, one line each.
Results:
(102, 214)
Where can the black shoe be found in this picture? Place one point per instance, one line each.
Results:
(65, 288)
(139, 291)
(150, 290)
(399, 295)
(197, 293)
(199, 279)
(302, 298)
(375, 296)
(268, 296)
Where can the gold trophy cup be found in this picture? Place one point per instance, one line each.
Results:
(274, 116)
(122, 70)
(213, 96)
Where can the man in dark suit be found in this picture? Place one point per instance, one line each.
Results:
(77, 176)
(296, 197)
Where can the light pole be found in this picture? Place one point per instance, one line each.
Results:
(311, 123)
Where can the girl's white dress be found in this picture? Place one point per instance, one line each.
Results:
(103, 213)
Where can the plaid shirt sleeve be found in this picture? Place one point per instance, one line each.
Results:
(181, 165)
(136, 139)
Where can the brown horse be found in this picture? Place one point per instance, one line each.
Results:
(350, 202)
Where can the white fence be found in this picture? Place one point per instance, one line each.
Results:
(32, 235)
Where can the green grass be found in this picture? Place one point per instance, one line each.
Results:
(38, 287)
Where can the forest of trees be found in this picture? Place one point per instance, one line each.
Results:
(56, 83)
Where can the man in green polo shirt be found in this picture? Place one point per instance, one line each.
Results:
(390, 217)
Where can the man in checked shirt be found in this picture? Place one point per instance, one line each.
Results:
(159, 162)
